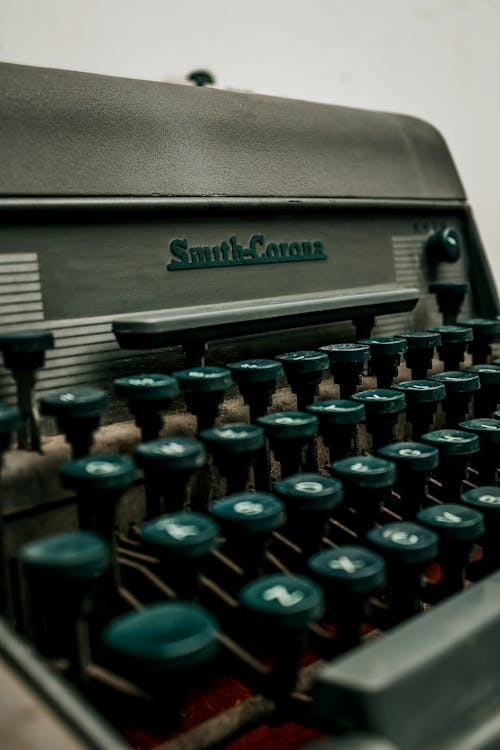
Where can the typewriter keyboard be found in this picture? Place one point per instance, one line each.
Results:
(192, 573)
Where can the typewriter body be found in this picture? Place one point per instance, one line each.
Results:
(153, 227)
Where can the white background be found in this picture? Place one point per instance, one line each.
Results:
(436, 59)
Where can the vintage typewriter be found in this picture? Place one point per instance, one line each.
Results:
(260, 507)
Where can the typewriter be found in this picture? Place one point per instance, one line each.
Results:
(248, 422)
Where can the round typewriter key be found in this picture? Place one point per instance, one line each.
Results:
(407, 548)
(383, 407)
(460, 387)
(454, 341)
(450, 296)
(77, 412)
(181, 541)
(488, 458)
(23, 354)
(347, 362)
(338, 421)
(422, 400)
(367, 483)
(385, 357)
(309, 500)
(485, 499)
(304, 370)
(458, 527)
(148, 395)
(349, 575)
(421, 345)
(168, 464)
(204, 389)
(256, 380)
(234, 448)
(414, 462)
(62, 574)
(456, 448)
(484, 330)
(444, 246)
(487, 398)
(290, 433)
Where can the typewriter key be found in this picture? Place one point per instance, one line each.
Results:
(485, 499)
(148, 395)
(484, 331)
(422, 400)
(169, 465)
(414, 463)
(290, 434)
(182, 541)
(487, 398)
(453, 344)
(234, 448)
(450, 296)
(338, 421)
(204, 389)
(62, 575)
(383, 408)
(23, 354)
(256, 380)
(347, 362)
(421, 345)
(309, 500)
(407, 548)
(349, 575)
(385, 357)
(460, 387)
(77, 412)
(458, 527)
(367, 483)
(488, 458)
(456, 448)
(304, 371)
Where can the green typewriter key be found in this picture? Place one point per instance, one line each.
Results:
(338, 425)
(280, 607)
(182, 542)
(309, 500)
(454, 340)
(169, 465)
(460, 386)
(62, 574)
(450, 296)
(290, 434)
(484, 331)
(347, 362)
(256, 380)
(421, 345)
(487, 460)
(234, 448)
(367, 484)
(456, 448)
(9, 422)
(385, 357)
(422, 400)
(383, 407)
(487, 398)
(99, 482)
(349, 575)
(304, 371)
(414, 463)
(23, 354)
(485, 499)
(77, 412)
(163, 648)
(458, 527)
(204, 389)
(148, 395)
(247, 520)
(407, 549)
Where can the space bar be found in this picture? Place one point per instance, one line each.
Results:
(433, 682)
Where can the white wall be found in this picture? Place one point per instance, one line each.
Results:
(437, 59)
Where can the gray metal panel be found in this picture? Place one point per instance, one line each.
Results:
(67, 133)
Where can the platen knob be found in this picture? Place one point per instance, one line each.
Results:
(444, 246)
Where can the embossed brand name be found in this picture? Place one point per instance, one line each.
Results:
(230, 253)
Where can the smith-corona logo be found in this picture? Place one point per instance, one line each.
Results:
(230, 253)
